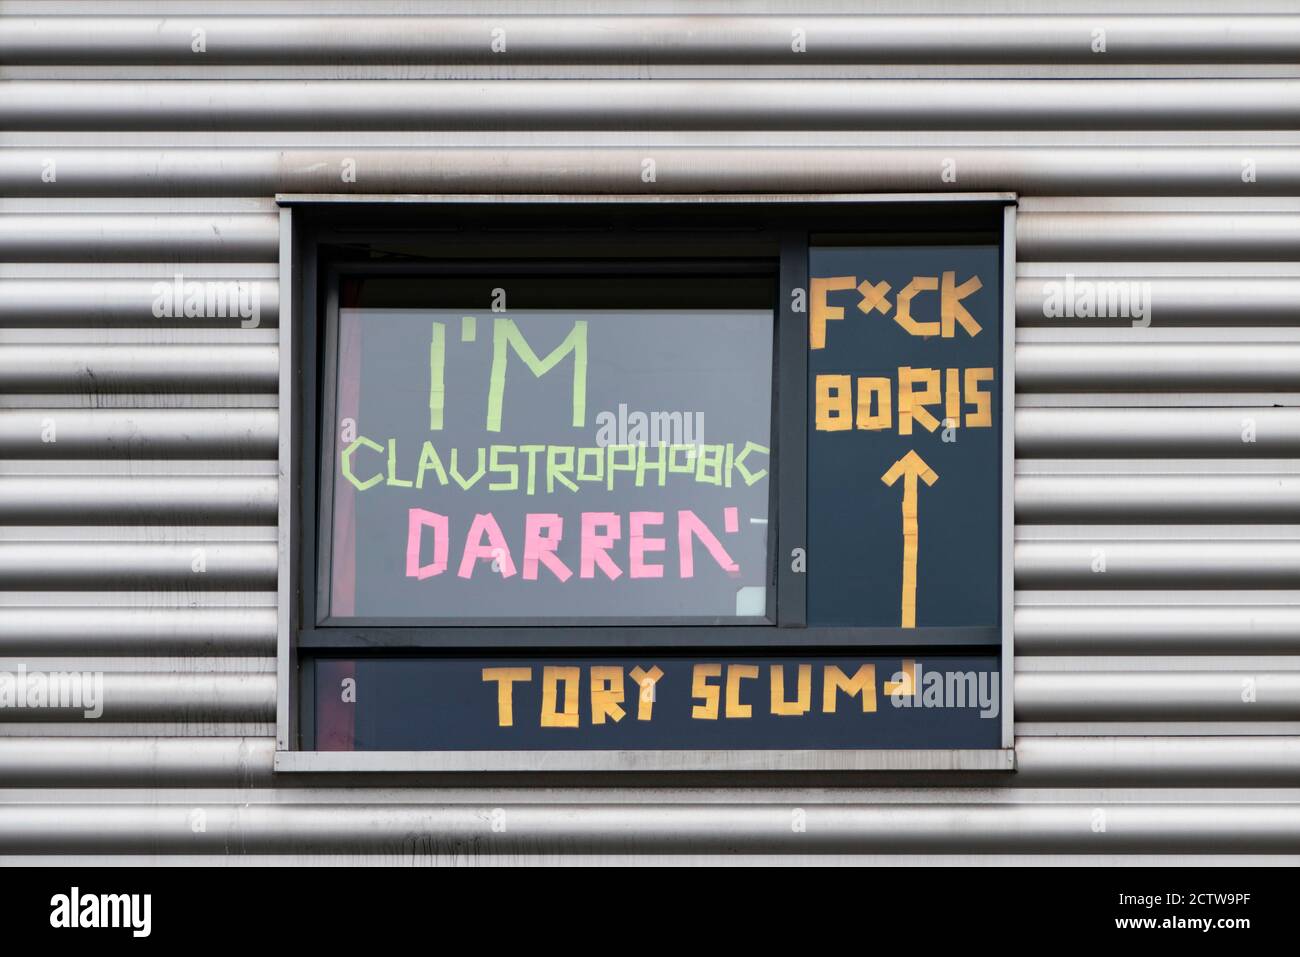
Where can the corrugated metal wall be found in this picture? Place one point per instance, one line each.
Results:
(1157, 702)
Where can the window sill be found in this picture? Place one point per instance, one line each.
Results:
(312, 762)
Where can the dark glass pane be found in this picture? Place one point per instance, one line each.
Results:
(904, 436)
(663, 701)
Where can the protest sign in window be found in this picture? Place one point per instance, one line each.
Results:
(609, 478)
(495, 461)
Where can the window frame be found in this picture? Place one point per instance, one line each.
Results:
(325, 221)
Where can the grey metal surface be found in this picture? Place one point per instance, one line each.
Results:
(134, 237)
(1258, 366)
(1208, 562)
(140, 433)
(153, 500)
(97, 303)
(129, 368)
(136, 630)
(128, 441)
(1228, 301)
(1158, 432)
(1079, 629)
(137, 566)
(395, 39)
(662, 104)
(169, 697)
(545, 827)
(1097, 761)
(984, 762)
(1154, 696)
(1225, 237)
(1139, 169)
(1145, 499)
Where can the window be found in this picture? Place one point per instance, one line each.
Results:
(919, 382)
(513, 449)
(596, 478)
